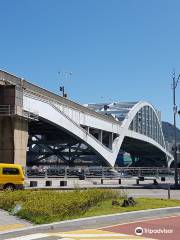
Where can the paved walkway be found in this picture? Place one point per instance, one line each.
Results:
(101, 227)
(9, 222)
(158, 229)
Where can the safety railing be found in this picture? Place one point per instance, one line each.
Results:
(30, 115)
(12, 110)
(99, 172)
(8, 110)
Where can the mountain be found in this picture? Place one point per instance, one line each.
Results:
(168, 131)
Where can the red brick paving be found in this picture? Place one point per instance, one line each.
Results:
(172, 223)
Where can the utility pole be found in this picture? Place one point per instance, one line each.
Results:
(174, 86)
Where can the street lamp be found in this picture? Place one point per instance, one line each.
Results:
(63, 91)
(175, 111)
(64, 76)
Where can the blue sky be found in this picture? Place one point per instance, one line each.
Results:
(117, 50)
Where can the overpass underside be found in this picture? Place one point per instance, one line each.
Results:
(143, 154)
(50, 145)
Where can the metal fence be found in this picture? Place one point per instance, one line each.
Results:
(99, 172)
(8, 110)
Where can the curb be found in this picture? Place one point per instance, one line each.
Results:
(74, 222)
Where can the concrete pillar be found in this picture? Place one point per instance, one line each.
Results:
(110, 140)
(13, 140)
(20, 141)
(6, 140)
(100, 135)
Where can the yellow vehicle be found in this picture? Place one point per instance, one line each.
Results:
(11, 176)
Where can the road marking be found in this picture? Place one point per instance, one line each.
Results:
(11, 226)
(94, 234)
(86, 234)
(30, 237)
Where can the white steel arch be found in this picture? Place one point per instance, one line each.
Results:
(53, 112)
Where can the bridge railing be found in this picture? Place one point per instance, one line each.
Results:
(46, 96)
(8, 110)
(12, 110)
(100, 172)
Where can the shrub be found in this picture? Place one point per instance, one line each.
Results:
(46, 206)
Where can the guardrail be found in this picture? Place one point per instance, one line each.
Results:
(8, 110)
(101, 172)
(12, 110)
(30, 115)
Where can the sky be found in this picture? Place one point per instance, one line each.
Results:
(116, 50)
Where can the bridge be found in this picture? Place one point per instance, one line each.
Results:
(38, 126)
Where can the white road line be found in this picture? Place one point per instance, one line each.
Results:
(72, 236)
(91, 235)
(30, 237)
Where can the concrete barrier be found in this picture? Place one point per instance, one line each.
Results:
(82, 177)
(63, 183)
(163, 179)
(48, 183)
(33, 183)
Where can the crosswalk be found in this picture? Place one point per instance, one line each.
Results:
(93, 234)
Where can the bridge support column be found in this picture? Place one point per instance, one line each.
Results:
(13, 140)
(100, 135)
(110, 140)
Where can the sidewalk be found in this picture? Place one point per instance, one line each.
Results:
(97, 222)
(9, 222)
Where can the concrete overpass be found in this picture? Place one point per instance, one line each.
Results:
(44, 124)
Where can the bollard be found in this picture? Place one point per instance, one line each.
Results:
(63, 183)
(82, 177)
(163, 179)
(141, 178)
(48, 183)
(169, 191)
(119, 181)
(155, 182)
(33, 183)
(101, 181)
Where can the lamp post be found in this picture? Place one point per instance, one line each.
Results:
(174, 86)
(63, 91)
(64, 76)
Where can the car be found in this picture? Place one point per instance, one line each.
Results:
(11, 176)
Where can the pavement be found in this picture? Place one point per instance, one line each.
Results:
(9, 222)
(145, 223)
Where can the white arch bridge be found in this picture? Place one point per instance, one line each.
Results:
(55, 128)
